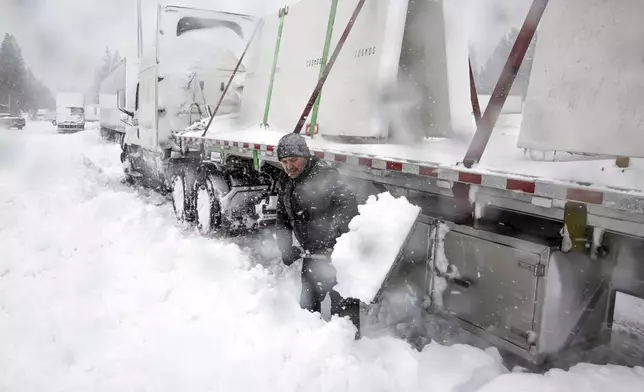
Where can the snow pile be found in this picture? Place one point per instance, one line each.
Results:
(582, 377)
(100, 290)
(198, 126)
(365, 254)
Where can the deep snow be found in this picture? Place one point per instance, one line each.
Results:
(100, 290)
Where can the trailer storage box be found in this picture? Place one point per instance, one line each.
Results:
(521, 294)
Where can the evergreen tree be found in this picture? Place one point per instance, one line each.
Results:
(489, 74)
(20, 90)
(109, 62)
(116, 59)
(39, 96)
(13, 87)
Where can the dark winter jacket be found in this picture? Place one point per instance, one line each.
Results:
(316, 206)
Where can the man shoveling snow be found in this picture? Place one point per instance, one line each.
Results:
(316, 206)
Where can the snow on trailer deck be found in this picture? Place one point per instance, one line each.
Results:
(503, 166)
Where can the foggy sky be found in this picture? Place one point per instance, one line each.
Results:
(64, 40)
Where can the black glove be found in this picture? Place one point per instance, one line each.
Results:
(292, 255)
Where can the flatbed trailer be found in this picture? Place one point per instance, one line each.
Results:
(534, 249)
(595, 182)
(502, 214)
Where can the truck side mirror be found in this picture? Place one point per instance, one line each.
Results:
(222, 87)
(120, 103)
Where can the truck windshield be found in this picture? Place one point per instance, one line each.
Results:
(77, 110)
(190, 23)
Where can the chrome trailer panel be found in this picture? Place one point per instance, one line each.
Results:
(503, 276)
(575, 290)
(522, 295)
(627, 332)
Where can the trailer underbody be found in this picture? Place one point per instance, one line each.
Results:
(516, 289)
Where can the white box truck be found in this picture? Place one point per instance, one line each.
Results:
(117, 93)
(70, 112)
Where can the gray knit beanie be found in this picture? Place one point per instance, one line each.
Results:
(292, 145)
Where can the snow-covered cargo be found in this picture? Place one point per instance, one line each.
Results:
(118, 91)
(524, 253)
(381, 85)
(594, 107)
(70, 111)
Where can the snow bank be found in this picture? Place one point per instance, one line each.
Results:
(101, 291)
(364, 256)
(583, 377)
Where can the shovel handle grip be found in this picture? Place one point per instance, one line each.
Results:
(463, 283)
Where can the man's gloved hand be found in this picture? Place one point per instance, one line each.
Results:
(292, 255)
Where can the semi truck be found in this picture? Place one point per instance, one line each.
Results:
(116, 99)
(532, 220)
(70, 112)
(182, 76)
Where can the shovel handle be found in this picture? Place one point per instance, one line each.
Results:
(463, 283)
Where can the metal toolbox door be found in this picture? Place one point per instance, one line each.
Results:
(501, 295)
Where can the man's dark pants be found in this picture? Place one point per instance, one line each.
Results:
(318, 279)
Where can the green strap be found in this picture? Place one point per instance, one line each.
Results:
(274, 67)
(256, 160)
(325, 56)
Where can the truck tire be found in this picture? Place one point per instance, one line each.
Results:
(127, 167)
(209, 190)
(182, 195)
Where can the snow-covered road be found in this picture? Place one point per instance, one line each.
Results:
(100, 290)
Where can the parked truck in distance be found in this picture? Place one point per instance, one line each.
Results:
(70, 112)
(7, 120)
(42, 115)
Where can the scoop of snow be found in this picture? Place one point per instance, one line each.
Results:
(365, 254)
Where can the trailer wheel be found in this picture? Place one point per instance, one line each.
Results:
(182, 196)
(209, 190)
